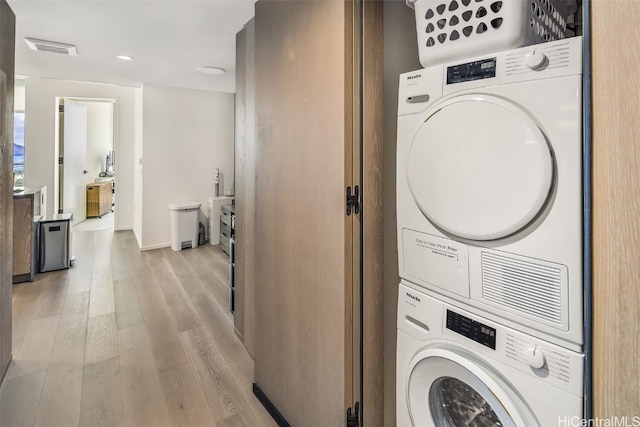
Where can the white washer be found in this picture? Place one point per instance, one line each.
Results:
(489, 179)
(457, 369)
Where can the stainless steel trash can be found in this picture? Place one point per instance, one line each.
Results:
(55, 242)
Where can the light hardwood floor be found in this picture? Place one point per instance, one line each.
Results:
(129, 338)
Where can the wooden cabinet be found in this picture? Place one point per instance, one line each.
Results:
(27, 209)
(98, 199)
(7, 55)
(320, 128)
(616, 209)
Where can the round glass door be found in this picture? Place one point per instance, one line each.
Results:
(480, 168)
(454, 403)
(445, 389)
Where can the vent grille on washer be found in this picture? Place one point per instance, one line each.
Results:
(521, 286)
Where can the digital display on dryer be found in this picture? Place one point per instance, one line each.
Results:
(476, 331)
(476, 70)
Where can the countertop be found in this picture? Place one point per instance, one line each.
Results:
(20, 193)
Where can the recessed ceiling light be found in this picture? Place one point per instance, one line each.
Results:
(211, 70)
(124, 57)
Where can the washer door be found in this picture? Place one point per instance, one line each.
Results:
(479, 167)
(448, 390)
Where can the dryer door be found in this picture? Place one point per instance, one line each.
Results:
(446, 389)
(480, 168)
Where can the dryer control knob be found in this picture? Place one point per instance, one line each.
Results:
(535, 59)
(535, 357)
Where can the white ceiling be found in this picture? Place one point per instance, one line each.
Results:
(168, 40)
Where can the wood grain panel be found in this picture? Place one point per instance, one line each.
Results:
(7, 66)
(240, 165)
(301, 231)
(250, 191)
(22, 222)
(373, 227)
(616, 213)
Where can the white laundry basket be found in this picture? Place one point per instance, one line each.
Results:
(184, 225)
(453, 29)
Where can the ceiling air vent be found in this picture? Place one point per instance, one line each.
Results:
(53, 47)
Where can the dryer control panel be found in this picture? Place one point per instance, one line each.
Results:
(475, 70)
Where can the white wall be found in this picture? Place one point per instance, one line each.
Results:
(18, 94)
(137, 171)
(186, 135)
(99, 137)
(400, 55)
(40, 127)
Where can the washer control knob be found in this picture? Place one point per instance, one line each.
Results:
(535, 59)
(535, 357)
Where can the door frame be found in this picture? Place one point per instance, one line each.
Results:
(58, 182)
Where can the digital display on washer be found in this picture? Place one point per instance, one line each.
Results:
(483, 334)
(476, 70)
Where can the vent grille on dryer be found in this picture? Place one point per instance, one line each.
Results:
(532, 289)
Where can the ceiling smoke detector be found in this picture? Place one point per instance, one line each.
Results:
(53, 47)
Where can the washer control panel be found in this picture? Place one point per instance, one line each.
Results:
(474, 330)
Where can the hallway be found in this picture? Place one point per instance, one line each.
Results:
(129, 338)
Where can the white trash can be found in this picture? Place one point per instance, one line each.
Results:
(184, 225)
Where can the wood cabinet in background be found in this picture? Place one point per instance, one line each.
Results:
(98, 199)
(28, 206)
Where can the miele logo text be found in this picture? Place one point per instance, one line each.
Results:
(413, 297)
(415, 76)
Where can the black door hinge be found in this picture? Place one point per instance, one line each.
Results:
(353, 418)
(353, 200)
(61, 108)
(61, 160)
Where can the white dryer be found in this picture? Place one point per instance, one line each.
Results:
(457, 369)
(489, 186)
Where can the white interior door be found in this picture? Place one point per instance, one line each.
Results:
(74, 153)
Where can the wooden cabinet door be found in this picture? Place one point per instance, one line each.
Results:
(7, 55)
(306, 346)
(615, 38)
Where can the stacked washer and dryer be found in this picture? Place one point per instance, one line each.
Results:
(489, 212)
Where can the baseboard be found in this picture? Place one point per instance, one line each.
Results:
(152, 247)
(270, 407)
(21, 278)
